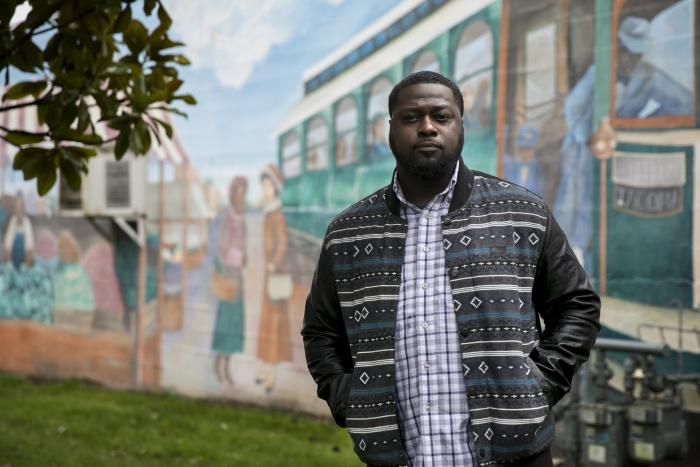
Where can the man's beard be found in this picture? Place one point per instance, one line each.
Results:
(434, 169)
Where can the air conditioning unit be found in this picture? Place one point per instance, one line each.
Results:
(111, 188)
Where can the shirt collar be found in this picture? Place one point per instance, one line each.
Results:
(446, 193)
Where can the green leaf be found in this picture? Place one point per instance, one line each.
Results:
(70, 134)
(71, 174)
(46, 180)
(187, 98)
(164, 17)
(135, 36)
(148, 6)
(137, 138)
(122, 143)
(23, 89)
(79, 153)
(28, 156)
(166, 126)
(181, 60)
(27, 57)
(83, 117)
(123, 20)
(20, 138)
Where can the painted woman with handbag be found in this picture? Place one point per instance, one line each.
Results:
(227, 281)
(273, 336)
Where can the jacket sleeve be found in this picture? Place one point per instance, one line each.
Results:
(325, 341)
(570, 309)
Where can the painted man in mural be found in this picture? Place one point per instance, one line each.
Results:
(274, 345)
(645, 54)
(19, 236)
(227, 282)
(421, 328)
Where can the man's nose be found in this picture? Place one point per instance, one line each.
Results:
(427, 127)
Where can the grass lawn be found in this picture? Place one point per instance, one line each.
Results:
(78, 424)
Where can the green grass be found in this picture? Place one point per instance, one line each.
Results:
(67, 423)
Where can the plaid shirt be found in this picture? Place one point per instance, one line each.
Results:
(432, 402)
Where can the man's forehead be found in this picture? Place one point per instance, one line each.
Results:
(416, 94)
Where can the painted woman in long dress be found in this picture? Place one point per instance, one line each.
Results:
(229, 328)
(273, 337)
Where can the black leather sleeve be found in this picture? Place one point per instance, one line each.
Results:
(570, 310)
(325, 341)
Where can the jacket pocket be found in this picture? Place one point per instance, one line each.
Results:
(541, 380)
(338, 400)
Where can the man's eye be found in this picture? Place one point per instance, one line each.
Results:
(410, 118)
(442, 118)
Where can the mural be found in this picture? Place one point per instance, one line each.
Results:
(588, 103)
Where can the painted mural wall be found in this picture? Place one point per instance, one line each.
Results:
(591, 104)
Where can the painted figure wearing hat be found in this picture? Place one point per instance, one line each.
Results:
(524, 168)
(273, 336)
(229, 328)
(645, 89)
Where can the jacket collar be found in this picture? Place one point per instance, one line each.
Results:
(462, 190)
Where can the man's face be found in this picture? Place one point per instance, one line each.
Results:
(426, 133)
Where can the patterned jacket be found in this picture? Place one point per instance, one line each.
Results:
(508, 262)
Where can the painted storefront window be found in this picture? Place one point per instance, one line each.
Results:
(317, 145)
(427, 61)
(291, 156)
(346, 118)
(473, 71)
(378, 119)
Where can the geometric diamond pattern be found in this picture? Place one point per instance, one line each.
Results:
(516, 237)
(369, 248)
(488, 434)
(528, 369)
(357, 250)
(457, 304)
(363, 445)
(365, 312)
(533, 238)
(521, 302)
(358, 316)
(447, 244)
(466, 369)
(466, 240)
(483, 368)
(364, 377)
(504, 184)
(476, 303)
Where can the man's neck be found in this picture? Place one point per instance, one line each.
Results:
(419, 191)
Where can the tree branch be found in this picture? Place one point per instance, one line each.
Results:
(8, 130)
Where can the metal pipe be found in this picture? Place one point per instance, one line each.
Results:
(624, 345)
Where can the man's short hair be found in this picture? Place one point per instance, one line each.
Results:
(421, 77)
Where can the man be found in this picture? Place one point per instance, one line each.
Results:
(421, 327)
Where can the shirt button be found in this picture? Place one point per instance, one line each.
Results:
(427, 408)
(447, 222)
(427, 215)
(425, 286)
(426, 365)
(426, 248)
(425, 325)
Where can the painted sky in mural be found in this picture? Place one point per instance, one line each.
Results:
(247, 64)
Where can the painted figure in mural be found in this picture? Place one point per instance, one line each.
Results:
(573, 205)
(26, 290)
(524, 167)
(74, 302)
(422, 324)
(19, 236)
(378, 147)
(227, 281)
(273, 335)
(644, 88)
(476, 105)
